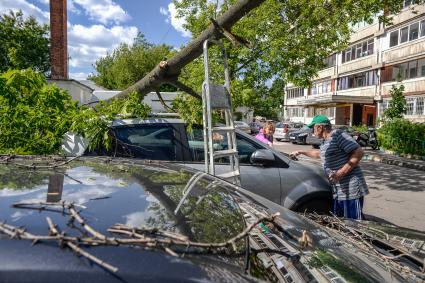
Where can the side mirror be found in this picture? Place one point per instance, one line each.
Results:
(263, 157)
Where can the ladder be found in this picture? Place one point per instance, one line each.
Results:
(217, 97)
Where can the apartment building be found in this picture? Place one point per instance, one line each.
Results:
(354, 87)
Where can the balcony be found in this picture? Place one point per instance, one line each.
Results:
(355, 95)
(326, 73)
(408, 13)
(365, 32)
(405, 51)
(358, 64)
(410, 86)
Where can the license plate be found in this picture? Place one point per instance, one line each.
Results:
(355, 137)
(292, 138)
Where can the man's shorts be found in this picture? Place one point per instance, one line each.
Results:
(348, 208)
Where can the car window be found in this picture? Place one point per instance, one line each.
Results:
(155, 142)
(196, 146)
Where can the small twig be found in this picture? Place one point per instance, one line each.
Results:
(62, 204)
(78, 250)
(87, 227)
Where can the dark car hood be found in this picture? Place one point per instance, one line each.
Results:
(175, 199)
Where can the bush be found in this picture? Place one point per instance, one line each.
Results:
(402, 136)
(33, 115)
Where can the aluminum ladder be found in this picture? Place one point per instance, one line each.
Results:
(217, 97)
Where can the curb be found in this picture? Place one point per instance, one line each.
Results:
(393, 161)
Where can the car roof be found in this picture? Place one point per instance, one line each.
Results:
(137, 121)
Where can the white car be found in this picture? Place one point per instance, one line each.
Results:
(282, 130)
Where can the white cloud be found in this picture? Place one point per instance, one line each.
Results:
(103, 11)
(87, 44)
(27, 8)
(177, 23)
(79, 75)
(163, 11)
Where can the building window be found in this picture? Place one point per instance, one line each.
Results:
(321, 87)
(409, 70)
(330, 61)
(410, 106)
(296, 112)
(357, 80)
(408, 33)
(420, 105)
(414, 106)
(359, 50)
(414, 31)
(294, 93)
(394, 38)
(407, 3)
(404, 32)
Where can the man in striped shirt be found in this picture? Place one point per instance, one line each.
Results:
(340, 155)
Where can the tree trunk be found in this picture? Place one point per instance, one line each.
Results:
(170, 70)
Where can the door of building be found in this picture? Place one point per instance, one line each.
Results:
(357, 114)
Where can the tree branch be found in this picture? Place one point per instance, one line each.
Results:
(173, 67)
(185, 88)
(162, 101)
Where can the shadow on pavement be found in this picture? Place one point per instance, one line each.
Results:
(393, 177)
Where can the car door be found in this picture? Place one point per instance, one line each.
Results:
(264, 181)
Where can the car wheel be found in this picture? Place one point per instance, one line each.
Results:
(316, 146)
(278, 139)
(294, 142)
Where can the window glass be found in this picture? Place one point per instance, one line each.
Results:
(396, 72)
(423, 28)
(394, 38)
(353, 53)
(414, 31)
(156, 142)
(358, 50)
(347, 55)
(413, 70)
(421, 67)
(370, 47)
(403, 71)
(420, 105)
(410, 106)
(404, 32)
(196, 146)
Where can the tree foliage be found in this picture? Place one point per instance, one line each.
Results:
(24, 43)
(34, 116)
(397, 104)
(129, 63)
(289, 42)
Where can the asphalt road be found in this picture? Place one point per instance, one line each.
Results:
(397, 194)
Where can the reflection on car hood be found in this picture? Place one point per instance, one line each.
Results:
(192, 204)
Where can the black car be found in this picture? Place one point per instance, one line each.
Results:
(102, 219)
(300, 136)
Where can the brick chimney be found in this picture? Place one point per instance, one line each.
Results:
(58, 38)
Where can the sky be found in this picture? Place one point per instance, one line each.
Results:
(96, 27)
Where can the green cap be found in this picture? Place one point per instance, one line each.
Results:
(319, 119)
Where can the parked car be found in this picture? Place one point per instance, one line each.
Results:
(314, 141)
(296, 185)
(283, 129)
(255, 128)
(300, 136)
(244, 127)
(102, 219)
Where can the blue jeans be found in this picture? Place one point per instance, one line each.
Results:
(348, 208)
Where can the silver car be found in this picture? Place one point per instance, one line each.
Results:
(244, 127)
(297, 185)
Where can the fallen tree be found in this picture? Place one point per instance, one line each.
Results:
(169, 71)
